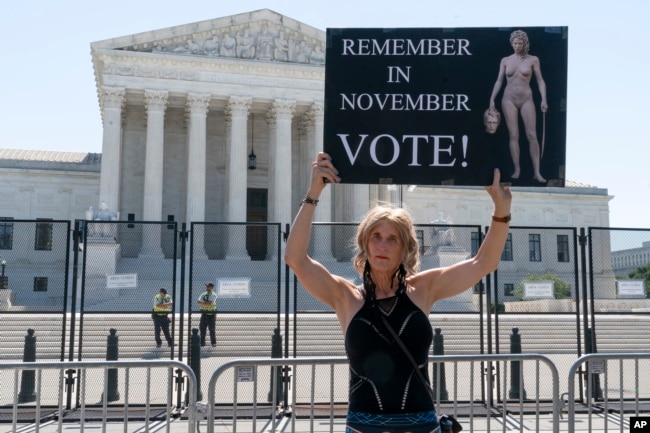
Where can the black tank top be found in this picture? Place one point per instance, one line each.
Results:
(382, 379)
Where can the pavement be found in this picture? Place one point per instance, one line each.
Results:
(543, 423)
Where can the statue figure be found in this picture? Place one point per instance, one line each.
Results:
(101, 214)
(211, 46)
(228, 45)
(265, 44)
(317, 57)
(246, 45)
(281, 48)
(443, 237)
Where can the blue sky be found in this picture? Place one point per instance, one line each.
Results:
(49, 101)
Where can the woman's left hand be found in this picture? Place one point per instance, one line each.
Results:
(501, 195)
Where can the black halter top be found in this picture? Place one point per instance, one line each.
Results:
(382, 379)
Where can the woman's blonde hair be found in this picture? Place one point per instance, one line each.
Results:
(403, 221)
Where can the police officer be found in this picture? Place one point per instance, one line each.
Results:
(162, 305)
(208, 307)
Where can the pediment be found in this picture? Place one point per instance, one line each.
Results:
(262, 35)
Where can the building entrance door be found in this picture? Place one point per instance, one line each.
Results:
(256, 211)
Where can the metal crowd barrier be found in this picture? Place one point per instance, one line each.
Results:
(320, 385)
(606, 393)
(34, 390)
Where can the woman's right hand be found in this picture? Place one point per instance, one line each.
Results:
(322, 172)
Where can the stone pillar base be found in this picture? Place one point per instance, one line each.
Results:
(102, 258)
(7, 298)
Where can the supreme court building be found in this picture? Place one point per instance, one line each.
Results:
(185, 109)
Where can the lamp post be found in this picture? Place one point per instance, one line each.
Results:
(3, 279)
(252, 158)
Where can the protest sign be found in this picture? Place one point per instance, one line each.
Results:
(407, 105)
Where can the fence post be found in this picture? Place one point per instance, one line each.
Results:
(596, 392)
(276, 371)
(28, 381)
(112, 394)
(439, 349)
(516, 379)
(195, 362)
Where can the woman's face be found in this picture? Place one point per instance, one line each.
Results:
(518, 45)
(385, 248)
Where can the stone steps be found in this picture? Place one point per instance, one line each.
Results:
(250, 335)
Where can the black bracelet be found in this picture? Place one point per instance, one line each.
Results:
(309, 200)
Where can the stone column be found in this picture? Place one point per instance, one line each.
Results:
(353, 202)
(282, 111)
(272, 238)
(238, 109)
(359, 202)
(314, 127)
(156, 103)
(197, 111)
(374, 194)
(111, 101)
(396, 195)
(384, 193)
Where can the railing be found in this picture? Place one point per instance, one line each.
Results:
(597, 365)
(35, 391)
(325, 401)
(616, 389)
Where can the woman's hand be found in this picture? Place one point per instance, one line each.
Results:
(501, 195)
(322, 172)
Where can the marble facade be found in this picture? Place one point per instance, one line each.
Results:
(183, 108)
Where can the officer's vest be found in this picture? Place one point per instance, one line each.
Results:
(159, 308)
(205, 297)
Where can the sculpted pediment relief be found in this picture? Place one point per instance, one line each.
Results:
(262, 35)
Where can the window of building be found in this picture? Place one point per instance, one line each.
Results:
(475, 242)
(508, 289)
(506, 256)
(43, 238)
(562, 248)
(534, 247)
(40, 284)
(6, 233)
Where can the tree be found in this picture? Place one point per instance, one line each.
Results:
(642, 273)
(562, 289)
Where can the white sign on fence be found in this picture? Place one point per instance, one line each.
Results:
(122, 281)
(539, 290)
(245, 374)
(234, 287)
(631, 288)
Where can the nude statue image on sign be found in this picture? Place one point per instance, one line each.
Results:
(518, 69)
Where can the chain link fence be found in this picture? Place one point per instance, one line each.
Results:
(34, 272)
(558, 291)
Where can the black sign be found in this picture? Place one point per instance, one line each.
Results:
(420, 105)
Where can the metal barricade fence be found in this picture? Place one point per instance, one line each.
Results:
(37, 402)
(614, 395)
(309, 400)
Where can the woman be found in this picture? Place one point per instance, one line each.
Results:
(384, 388)
(518, 69)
